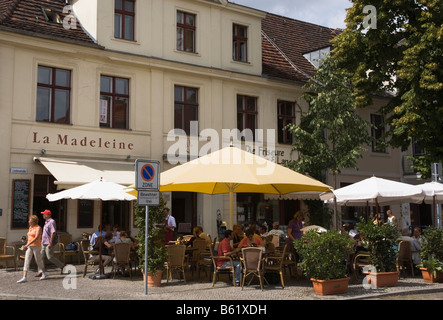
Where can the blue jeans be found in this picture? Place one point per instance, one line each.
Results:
(237, 269)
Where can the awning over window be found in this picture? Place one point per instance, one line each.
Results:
(308, 195)
(72, 173)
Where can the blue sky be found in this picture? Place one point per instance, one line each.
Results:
(328, 13)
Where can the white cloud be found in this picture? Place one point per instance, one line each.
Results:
(328, 13)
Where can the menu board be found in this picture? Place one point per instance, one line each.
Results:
(20, 203)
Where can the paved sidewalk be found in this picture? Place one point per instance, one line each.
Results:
(62, 287)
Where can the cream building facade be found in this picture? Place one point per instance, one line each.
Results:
(145, 78)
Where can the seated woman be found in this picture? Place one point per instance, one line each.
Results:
(250, 240)
(197, 233)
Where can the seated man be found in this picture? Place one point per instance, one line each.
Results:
(415, 246)
(276, 230)
(225, 249)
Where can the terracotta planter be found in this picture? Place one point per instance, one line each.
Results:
(327, 287)
(154, 281)
(382, 279)
(428, 276)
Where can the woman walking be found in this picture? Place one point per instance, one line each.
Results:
(33, 247)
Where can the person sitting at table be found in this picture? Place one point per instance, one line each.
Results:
(198, 233)
(276, 230)
(237, 235)
(124, 238)
(415, 245)
(225, 249)
(250, 240)
(115, 233)
(263, 231)
(106, 245)
(97, 234)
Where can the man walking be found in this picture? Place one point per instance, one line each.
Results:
(49, 231)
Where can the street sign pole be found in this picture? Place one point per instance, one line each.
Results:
(147, 184)
(146, 248)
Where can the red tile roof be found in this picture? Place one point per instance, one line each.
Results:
(27, 17)
(284, 42)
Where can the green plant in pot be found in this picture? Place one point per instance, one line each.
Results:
(431, 255)
(324, 260)
(157, 253)
(381, 243)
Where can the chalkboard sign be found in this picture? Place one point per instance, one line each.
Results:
(20, 203)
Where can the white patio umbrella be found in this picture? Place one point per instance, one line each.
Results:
(96, 190)
(433, 194)
(375, 191)
(318, 229)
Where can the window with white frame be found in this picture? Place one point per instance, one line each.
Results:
(316, 57)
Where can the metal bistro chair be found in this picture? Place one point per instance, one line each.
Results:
(121, 258)
(252, 259)
(176, 260)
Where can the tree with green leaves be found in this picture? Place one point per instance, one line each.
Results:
(331, 135)
(397, 47)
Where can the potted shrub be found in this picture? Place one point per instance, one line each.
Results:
(431, 255)
(157, 253)
(381, 243)
(324, 260)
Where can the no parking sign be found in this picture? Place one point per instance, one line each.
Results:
(147, 175)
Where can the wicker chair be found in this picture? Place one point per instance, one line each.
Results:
(221, 270)
(252, 260)
(360, 260)
(87, 254)
(4, 256)
(64, 240)
(121, 258)
(176, 260)
(199, 246)
(275, 263)
(404, 257)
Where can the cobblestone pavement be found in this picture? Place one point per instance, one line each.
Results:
(75, 287)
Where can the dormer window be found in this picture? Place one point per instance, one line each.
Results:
(316, 57)
(52, 16)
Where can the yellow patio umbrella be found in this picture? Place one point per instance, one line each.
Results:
(233, 170)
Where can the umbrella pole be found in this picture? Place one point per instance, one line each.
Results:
(100, 262)
(101, 274)
(433, 211)
(367, 211)
(376, 209)
(231, 206)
